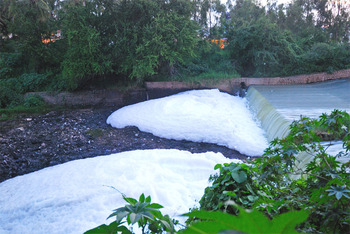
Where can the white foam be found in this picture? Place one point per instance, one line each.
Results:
(74, 197)
(199, 115)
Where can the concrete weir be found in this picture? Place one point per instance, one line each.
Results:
(276, 106)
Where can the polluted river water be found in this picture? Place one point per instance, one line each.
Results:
(76, 196)
(276, 106)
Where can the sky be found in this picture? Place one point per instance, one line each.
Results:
(278, 1)
(265, 1)
(77, 196)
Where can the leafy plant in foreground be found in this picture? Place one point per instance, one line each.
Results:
(234, 182)
(247, 221)
(143, 212)
(283, 182)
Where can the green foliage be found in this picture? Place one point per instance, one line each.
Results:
(27, 22)
(246, 222)
(8, 96)
(143, 212)
(8, 63)
(12, 89)
(161, 36)
(287, 40)
(211, 64)
(262, 49)
(30, 82)
(233, 184)
(280, 183)
(84, 57)
(168, 39)
(33, 100)
(325, 57)
(321, 185)
(138, 40)
(112, 228)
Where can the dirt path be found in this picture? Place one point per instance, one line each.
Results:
(32, 142)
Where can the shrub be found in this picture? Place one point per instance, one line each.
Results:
(143, 212)
(248, 221)
(323, 57)
(33, 100)
(282, 185)
(8, 62)
(31, 82)
(234, 183)
(8, 96)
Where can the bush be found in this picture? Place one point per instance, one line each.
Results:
(12, 89)
(323, 57)
(234, 183)
(282, 185)
(33, 100)
(8, 62)
(8, 96)
(143, 212)
(212, 63)
(31, 82)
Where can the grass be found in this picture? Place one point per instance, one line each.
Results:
(209, 78)
(13, 112)
(95, 133)
(206, 78)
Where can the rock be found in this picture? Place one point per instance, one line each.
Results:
(20, 128)
(60, 136)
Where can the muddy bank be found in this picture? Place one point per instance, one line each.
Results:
(32, 142)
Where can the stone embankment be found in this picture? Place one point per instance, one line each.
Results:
(116, 98)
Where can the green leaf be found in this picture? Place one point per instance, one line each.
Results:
(142, 198)
(286, 223)
(217, 166)
(112, 228)
(155, 206)
(130, 200)
(239, 176)
(247, 221)
(230, 193)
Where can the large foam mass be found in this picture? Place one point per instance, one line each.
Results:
(199, 115)
(76, 196)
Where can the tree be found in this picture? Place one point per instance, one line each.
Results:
(260, 48)
(151, 36)
(84, 58)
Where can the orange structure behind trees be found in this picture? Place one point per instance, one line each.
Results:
(221, 42)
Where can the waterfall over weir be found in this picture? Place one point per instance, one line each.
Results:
(276, 106)
(273, 123)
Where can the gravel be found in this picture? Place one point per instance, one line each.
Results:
(32, 142)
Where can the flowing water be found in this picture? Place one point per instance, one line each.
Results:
(276, 106)
(310, 100)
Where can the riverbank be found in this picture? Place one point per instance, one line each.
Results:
(31, 142)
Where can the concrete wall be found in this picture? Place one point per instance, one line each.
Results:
(235, 86)
(99, 98)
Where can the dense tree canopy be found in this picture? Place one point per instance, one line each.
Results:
(76, 43)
